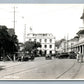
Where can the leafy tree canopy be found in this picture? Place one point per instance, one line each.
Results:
(31, 45)
(8, 43)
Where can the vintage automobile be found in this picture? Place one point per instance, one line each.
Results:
(72, 55)
(26, 56)
(48, 56)
(63, 55)
(56, 55)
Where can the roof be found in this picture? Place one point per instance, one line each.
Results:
(40, 35)
(82, 17)
(80, 32)
(76, 37)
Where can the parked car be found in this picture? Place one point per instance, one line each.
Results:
(63, 55)
(48, 57)
(26, 56)
(72, 55)
(56, 55)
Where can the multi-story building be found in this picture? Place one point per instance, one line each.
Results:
(47, 41)
(66, 45)
(71, 43)
(79, 46)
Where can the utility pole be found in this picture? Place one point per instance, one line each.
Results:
(24, 32)
(64, 50)
(24, 35)
(14, 58)
(14, 19)
(14, 16)
(67, 43)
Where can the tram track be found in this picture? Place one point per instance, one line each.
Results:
(19, 63)
(27, 69)
(74, 76)
(44, 64)
(66, 72)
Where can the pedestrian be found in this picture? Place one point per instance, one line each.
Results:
(79, 57)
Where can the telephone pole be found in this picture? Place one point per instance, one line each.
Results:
(67, 43)
(24, 32)
(14, 18)
(14, 12)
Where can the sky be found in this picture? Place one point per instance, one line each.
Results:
(62, 20)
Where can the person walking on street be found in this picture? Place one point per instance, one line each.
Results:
(79, 57)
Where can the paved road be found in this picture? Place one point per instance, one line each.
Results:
(42, 69)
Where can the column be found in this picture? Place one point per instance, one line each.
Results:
(82, 49)
(79, 48)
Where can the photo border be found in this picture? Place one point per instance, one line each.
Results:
(42, 2)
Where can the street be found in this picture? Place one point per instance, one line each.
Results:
(42, 69)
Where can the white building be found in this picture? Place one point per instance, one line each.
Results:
(47, 41)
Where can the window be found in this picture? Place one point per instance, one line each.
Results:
(40, 40)
(41, 45)
(29, 39)
(50, 52)
(45, 46)
(34, 39)
(45, 52)
(50, 46)
(50, 40)
(45, 40)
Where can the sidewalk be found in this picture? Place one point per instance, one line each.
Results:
(80, 74)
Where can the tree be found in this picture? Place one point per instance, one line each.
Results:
(31, 46)
(7, 42)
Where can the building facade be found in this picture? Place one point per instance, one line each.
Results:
(71, 43)
(47, 41)
(62, 46)
(79, 46)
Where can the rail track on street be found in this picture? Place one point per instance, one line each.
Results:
(19, 63)
(68, 70)
(13, 69)
(27, 69)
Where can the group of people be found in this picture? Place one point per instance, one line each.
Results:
(79, 57)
